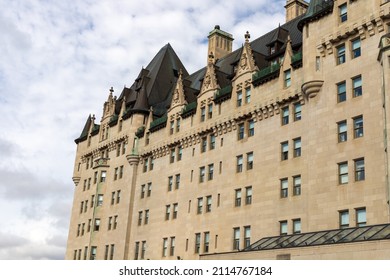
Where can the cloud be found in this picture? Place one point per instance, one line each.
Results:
(9, 241)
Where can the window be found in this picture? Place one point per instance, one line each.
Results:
(284, 188)
(115, 221)
(172, 249)
(361, 219)
(239, 98)
(78, 229)
(202, 114)
(340, 54)
(106, 252)
(357, 86)
(116, 173)
(297, 112)
(200, 205)
(283, 227)
(358, 126)
(140, 218)
(85, 252)
(179, 153)
(203, 147)
(112, 251)
(212, 142)
(100, 200)
(149, 189)
(249, 162)
(202, 172)
(177, 125)
(210, 111)
(206, 241)
(239, 163)
(165, 247)
(251, 128)
(146, 163)
(248, 95)
(92, 200)
(247, 236)
(170, 183)
(248, 195)
(285, 115)
(109, 223)
(211, 172)
(208, 201)
(93, 253)
(297, 226)
(359, 169)
(95, 177)
(297, 185)
(97, 225)
(172, 157)
(341, 92)
(236, 238)
(356, 50)
(89, 225)
(284, 150)
(167, 211)
(146, 220)
(171, 127)
(136, 250)
(142, 194)
(297, 147)
(344, 219)
(81, 207)
(89, 183)
(343, 173)
(82, 228)
(175, 209)
(237, 201)
(287, 78)
(197, 243)
(342, 131)
(118, 150)
(177, 179)
(124, 145)
(240, 131)
(103, 175)
(343, 12)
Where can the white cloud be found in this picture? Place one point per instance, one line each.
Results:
(59, 58)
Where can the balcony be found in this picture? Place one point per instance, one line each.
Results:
(266, 74)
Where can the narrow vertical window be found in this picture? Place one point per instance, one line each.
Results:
(249, 162)
(206, 241)
(179, 153)
(356, 49)
(165, 247)
(297, 112)
(210, 111)
(341, 92)
(287, 78)
(202, 114)
(359, 169)
(142, 194)
(251, 128)
(237, 200)
(171, 127)
(248, 195)
(211, 172)
(93, 252)
(358, 126)
(283, 227)
(284, 188)
(149, 189)
(175, 209)
(297, 185)
(239, 98)
(170, 183)
(136, 251)
(248, 95)
(344, 219)
(197, 243)
(236, 238)
(239, 163)
(284, 150)
(208, 201)
(103, 175)
(140, 218)
(361, 219)
(342, 131)
(212, 141)
(146, 220)
(340, 51)
(285, 115)
(100, 200)
(297, 226)
(146, 163)
(297, 147)
(247, 236)
(167, 211)
(177, 179)
(200, 205)
(202, 172)
(97, 225)
(357, 86)
(203, 147)
(172, 157)
(240, 131)
(343, 173)
(177, 125)
(343, 12)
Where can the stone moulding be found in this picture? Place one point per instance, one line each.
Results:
(76, 180)
(312, 88)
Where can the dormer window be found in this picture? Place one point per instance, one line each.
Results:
(272, 49)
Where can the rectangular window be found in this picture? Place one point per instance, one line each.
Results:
(89, 225)
(167, 211)
(284, 188)
(142, 194)
(95, 177)
(177, 181)
(357, 86)
(342, 131)
(284, 150)
(116, 173)
(248, 195)
(297, 185)
(344, 219)
(239, 163)
(340, 54)
(240, 131)
(206, 241)
(136, 254)
(341, 92)
(343, 12)
(212, 142)
(120, 171)
(297, 112)
(285, 115)
(146, 220)
(297, 226)
(106, 252)
(211, 172)
(124, 146)
(248, 95)
(237, 200)
(92, 200)
(109, 223)
(103, 175)
(112, 251)
(143, 250)
(208, 205)
(179, 153)
(359, 169)
(171, 127)
(172, 249)
(251, 128)
(118, 150)
(287, 78)
(140, 218)
(297, 147)
(200, 205)
(202, 172)
(165, 247)
(358, 126)
(249, 161)
(172, 157)
(93, 252)
(197, 243)
(236, 238)
(149, 189)
(203, 146)
(361, 219)
(170, 183)
(239, 98)
(177, 125)
(115, 221)
(247, 236)
(175, 209)
(356, 49)
(210, 111)
(97, 225)
(283, 227)
(100, 200)
(343, 173)
(202, 114)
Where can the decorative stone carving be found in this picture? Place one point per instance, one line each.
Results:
(312, 88)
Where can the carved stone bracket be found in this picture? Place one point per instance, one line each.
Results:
(76, 180)
(312, 88)
(133, 159)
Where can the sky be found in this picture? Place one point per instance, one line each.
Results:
(58, 60)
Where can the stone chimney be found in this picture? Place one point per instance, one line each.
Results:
(220, 43)
(295, 8)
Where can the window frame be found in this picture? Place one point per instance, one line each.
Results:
(343, 174)
(341, 55)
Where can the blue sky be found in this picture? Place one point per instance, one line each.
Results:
(58, 60)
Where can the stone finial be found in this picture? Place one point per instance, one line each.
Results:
(211, 58)
(247, 37)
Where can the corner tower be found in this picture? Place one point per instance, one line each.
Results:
(220, 43)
